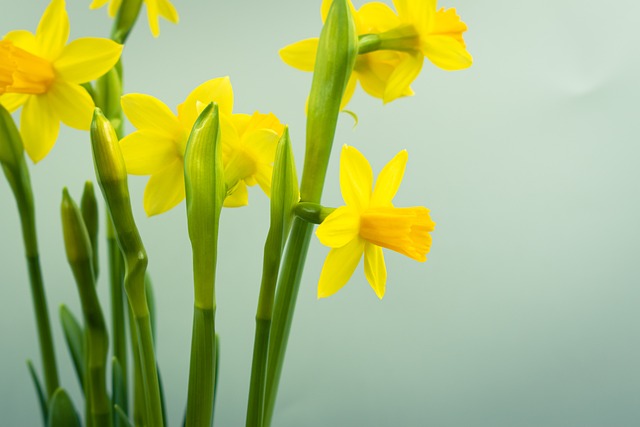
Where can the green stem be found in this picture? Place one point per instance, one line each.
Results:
(149, 370)
(26, 209)
(118, 320)
(255, 406)
(202, 372)
(288, 286)
(139, 406)
(337, 51)
(41, 311)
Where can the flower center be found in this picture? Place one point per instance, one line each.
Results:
(404, 230)
(23, 72)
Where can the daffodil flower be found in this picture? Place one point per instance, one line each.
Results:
(416, 31)
(157, 148)
(43, 74)
(368, 223)
(155, 9)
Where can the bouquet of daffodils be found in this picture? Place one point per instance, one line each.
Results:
(209, 155)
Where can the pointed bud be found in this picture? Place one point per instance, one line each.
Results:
(76, 238)
(284, 190)
(205, 191)
(337, 51)
(126, 18)
(89, 209)
(107, 156)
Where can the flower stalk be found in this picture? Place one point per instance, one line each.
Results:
(337, 51)
(205, 192)
(13, 163)
(79, 255)
(112, 177)
(284, 197)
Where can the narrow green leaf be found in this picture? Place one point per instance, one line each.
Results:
(74, 336)
(61, 411)
(121, 417)
(118, 391)
(89, 209)
(151, 301)
(38, 385)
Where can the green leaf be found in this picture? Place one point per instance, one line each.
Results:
(118, 392)
(38, 385)
(61, 411)
(121, 417)
(151, 302)
(74, 336)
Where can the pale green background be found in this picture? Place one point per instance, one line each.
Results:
(525, 314)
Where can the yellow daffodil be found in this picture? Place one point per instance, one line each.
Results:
(157, 148)
(416, 31)
(369, 222)
(42, 73)
(155, 9)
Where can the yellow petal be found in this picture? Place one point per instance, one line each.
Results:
(448, 23)
(13, 101)
(95, 4)
(389, 180)
(263, 178)
(356, 178)
(114, 6)
(152, 17)
(165, 189)
(72, 104)
(447, 53)
(167, 11)
(238, 197)
(149, 113)
(53, 30)
(262, 144)
(417, 12)
(262, 121)
(86, 59)
(402, 77)
(374, 70)
(339, 267)
(217, 90)
(339, 228)
(23, 39)
(39, 127)
(240, 121)
(300, 55)
(348, 91)
(376, 17)
(375, 269)
(146, 152)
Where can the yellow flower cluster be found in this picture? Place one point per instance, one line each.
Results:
(157, 148)
(418, 30)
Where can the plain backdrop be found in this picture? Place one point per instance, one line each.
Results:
(525, 314)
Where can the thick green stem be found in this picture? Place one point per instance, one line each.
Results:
(337, 51)
(149, 371)
(118, 319)
(255, 406)
(139, 406)
(202, 372)
(288, 286)
(41, 311)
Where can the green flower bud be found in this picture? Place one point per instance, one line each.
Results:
(125, 20)
(337, 51)
(76, 238)
(205, 192)
(107, 156)
(89, 209)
